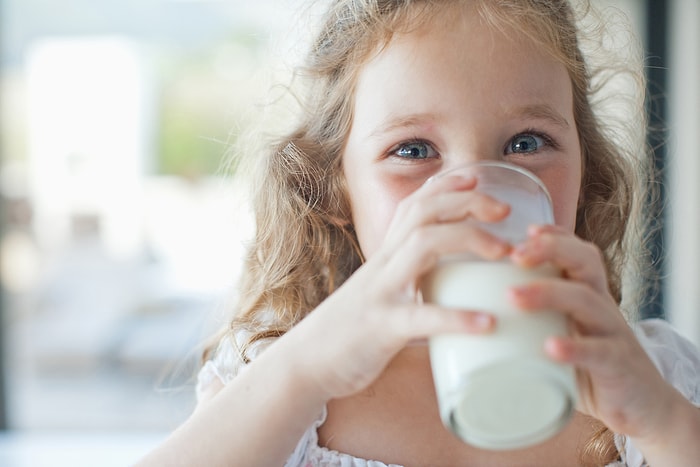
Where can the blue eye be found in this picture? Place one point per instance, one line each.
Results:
(414, 150)
(525, 143)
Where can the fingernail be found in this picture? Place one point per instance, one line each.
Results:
(480, 320)
(500, 208)
(518, 292)
(536, 229)
(532, 229)
(466, 179)
(519, 250)
(499, 248)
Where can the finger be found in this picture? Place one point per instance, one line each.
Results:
(594, 354)
(444, 207)
(417, 321)
(592, 312)
(424, 247)
(454, 181)
(438, 185)
(577, 259)
(416, 225)
(427, 197)
(550, 228)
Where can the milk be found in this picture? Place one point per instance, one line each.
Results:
(498, 390)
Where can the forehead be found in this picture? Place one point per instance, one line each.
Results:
(456, 53)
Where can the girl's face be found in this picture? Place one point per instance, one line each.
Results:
(452, 92)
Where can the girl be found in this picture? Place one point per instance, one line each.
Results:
(322, 364)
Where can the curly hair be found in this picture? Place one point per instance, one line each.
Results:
(305, 246)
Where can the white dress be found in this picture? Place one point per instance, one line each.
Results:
(677, 359)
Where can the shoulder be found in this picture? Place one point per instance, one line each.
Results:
(676, 358)
(226, 362)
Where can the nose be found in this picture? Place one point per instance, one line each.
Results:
(474, 140)
(468, 157)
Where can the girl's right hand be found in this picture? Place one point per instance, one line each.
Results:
(345, 343)
(350, 338)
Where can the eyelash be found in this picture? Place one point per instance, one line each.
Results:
(396, 148)
(547, 140)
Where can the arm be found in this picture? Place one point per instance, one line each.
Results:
(676, 437)
(618, 382)
(257, 419)
(345, 343)
(676, 431)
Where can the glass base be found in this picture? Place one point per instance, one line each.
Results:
(511, 405)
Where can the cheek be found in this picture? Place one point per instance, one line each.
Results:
(374, 202)
(562, 178)
(565, 215)
(565, 197)
(372, 223)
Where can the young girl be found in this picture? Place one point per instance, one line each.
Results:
(324, 362)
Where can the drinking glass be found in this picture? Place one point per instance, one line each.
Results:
(500, 390)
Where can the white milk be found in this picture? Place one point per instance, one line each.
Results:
(499, 390)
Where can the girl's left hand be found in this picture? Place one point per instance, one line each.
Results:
(618, 383)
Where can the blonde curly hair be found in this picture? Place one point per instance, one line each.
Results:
(305, 246)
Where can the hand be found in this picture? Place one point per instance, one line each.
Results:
(618, 384)
(353, 334)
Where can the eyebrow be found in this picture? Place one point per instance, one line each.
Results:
(405, 121)
(536, 111)
(540, 112)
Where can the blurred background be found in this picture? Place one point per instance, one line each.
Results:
(121, 233)
(121, 230)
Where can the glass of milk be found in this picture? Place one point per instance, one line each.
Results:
(500, 390)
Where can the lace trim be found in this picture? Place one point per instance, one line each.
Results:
(319, 456)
